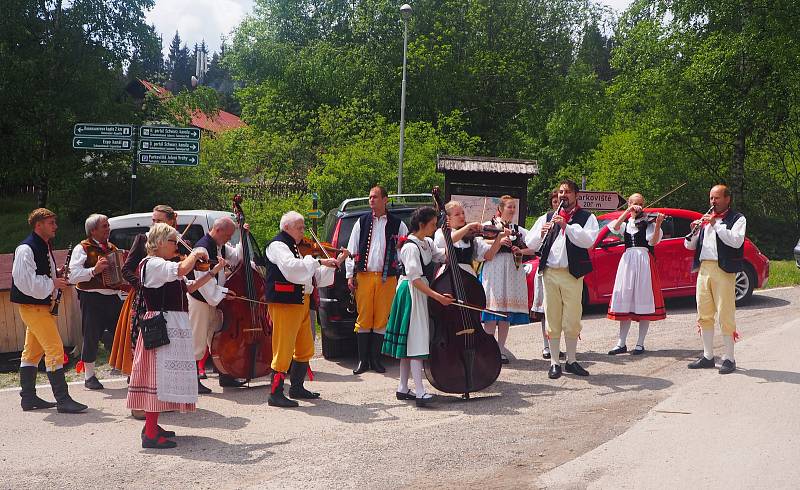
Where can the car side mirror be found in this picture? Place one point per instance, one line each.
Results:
(609, 242)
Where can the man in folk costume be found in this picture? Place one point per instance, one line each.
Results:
(203, 313)
(372, 276)
(565, 260)
(637, 288)
(33, 282)
(100, 302)
(290, 281)
(718, 255)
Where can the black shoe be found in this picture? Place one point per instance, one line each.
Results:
(202, 375)
(163, 433)
(202, 389)
(575, 368)
(503, 359)
(546, 354)
(93, 384)
(27, 381)
(276, 397)
(727, 367)
(562, 355)
(554, 372)
(618, 350)
(297, 376)
(363, 341)
(407, 395)
(64, 403)
(148, 443)
(702, 363)
(226, 381)
(376, 343)
(424, 401)
(638, 350)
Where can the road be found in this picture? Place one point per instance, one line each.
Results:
(358, 436)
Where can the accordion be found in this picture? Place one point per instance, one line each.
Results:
(112, 275)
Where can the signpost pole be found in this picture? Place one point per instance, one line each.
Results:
(134, 166)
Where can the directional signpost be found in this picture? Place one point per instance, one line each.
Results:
(168, 158)
(168, 132)
(100, 143)
(600, 201)
(91, 129)
(168, 146)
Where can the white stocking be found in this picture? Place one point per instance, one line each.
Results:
(89, 370)
(708, 342)
(729, 343)
(405, 370)
(572, 347)
(644, 325)
(555, 350)
(624, 328)
(489, 326)
(502, 335)
(416, 371)
(544, 335)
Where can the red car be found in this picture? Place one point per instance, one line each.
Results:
(674, 261)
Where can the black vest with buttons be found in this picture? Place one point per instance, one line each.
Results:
(41, 255)
(278, 288)
(730, 259)
(578, 258)
(465, 255)
(638, 239)
(390, 254)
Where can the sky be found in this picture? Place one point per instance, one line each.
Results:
(196, 20)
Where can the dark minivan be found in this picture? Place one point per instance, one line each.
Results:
(337, 308)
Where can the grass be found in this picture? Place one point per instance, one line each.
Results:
(102, 370)
(14, 227)
(783, 273)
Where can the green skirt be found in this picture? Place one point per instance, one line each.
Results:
(395, 341)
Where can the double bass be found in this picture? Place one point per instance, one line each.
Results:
(243, 347)
(463, 357)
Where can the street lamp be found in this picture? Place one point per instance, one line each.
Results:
(405, 14)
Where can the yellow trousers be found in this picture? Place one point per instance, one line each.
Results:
(562, 303)
(41, 337)
(291, 334)
(374, 301)
(716, 296)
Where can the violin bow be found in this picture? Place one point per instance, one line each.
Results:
(314, 236)
(186, 228)
(464, 304)
(665, 195)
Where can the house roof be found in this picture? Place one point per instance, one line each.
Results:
(7, 260)
(220, 122)
(487, 164)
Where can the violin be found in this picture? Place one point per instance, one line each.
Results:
(488, 231)
(310, 247)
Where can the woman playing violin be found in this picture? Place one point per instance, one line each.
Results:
(467, 248)
(503, 277)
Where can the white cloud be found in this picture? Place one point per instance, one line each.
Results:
(618, 5)
(196, 20)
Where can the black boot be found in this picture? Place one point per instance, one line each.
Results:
(27, 381)
(297, 375)
(201, 388)
(64, 403)
(276, 396)
(363, 353)
(375, 353)
(226, 381)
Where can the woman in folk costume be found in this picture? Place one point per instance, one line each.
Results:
(121, 357)
(408, 333)
(537, 306)
(467, 247)
(503, 276)
(637, 289)
(165, 378)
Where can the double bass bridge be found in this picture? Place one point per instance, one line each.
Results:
(466, 331)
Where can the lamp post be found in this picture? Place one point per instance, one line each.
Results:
(405, 14)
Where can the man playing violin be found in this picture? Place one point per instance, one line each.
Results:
(718, 243)
(291, 278)
(372, 275)
(637, 288)
(203, 314)
(564, 260)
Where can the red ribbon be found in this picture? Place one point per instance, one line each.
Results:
(276, 380)
(79, 368)
(310, 373)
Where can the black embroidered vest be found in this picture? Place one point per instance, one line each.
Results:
(171, 296)
(365, 237)
(41, 256)
(730, 259)
(578, 258)
(638, 239)
(278, 288)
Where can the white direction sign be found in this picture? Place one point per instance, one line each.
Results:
(94, 129)
(169, 146)
(97, 143)
(169, 132)
(600, 201)
(168, 159)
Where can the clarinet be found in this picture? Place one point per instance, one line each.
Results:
(550, 236)
(65, 273)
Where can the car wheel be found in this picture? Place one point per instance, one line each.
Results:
(745, 284)
(337, 348)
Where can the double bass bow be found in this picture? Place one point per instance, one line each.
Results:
(243, 348)
(463, 357)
